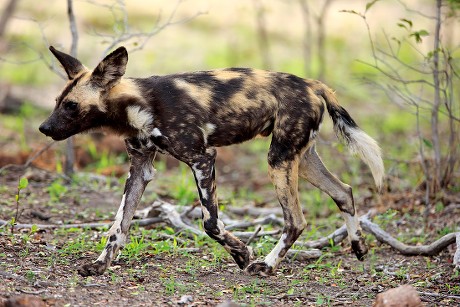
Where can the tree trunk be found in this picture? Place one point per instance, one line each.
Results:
(436, 103)
(321, 40)
(262, 35)
(307, 38)
(6, 15)
(70, 148)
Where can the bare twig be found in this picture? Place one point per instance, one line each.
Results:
(30, 160)
(125, 33)
(270, 219)
(256, 232)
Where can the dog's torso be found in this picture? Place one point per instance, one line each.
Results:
(187, 113)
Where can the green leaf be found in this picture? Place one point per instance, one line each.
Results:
(23, 183)
(418, 35)
(370, 4)
(423, 33)
(290, 291)
(409, 22)
(33, 229)
(427, 143)
(418, 39)
(402, 25)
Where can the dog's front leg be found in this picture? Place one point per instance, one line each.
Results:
(140, 174)
(203, 170)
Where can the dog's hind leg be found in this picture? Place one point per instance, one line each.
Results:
(313, 169)
(203, 170)
(140, 174)
(284, 175)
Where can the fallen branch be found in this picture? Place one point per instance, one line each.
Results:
(270, 219)
(169, 215)
(143, 222)
(303, 255)
(382, 236)
(255, 211)
(422, 250)
(334, 238)
(245, 235)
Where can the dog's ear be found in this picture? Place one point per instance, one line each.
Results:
(71, 65)
(110, 70)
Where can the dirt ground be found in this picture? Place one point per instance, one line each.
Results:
(40, 267)
(37, 271)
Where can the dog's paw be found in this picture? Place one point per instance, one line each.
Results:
(259, 268)
(242, 256)
(359, 248)
(93, 268)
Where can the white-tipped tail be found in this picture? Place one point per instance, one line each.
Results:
(357, 140)
(368, 150)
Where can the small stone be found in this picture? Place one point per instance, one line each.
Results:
(404, 295)
(25, 301)
(228, 304)
(185, 299)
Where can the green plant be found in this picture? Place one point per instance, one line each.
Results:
(385, 218)
(22, 184)
(322, 300)
(135, 248)
(56, 190)
(182, 186)
(31, 276)
(172, 286)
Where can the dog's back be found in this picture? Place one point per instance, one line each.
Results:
(228, 106)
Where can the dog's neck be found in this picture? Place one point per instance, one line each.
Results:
(125, 107)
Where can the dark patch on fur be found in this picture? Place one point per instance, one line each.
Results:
(359, 248)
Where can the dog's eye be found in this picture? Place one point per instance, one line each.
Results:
(71, 105)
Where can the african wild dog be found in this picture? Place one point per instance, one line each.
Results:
(188, 115)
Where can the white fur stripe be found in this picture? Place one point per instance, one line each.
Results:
(273, 258)
(352, 223)
(139, 119)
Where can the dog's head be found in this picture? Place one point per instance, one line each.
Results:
(81, 105)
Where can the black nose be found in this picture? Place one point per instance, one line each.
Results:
(45, 128)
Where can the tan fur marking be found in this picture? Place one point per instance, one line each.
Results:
(260, 78)
(126, 87)
(201, 95)
(85, 94)
(225, 75)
